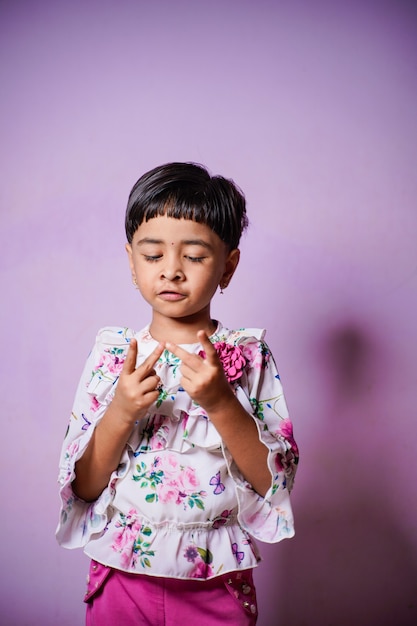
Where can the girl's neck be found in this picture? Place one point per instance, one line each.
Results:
(180, 331)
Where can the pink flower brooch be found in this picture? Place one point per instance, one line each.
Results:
(232, 359)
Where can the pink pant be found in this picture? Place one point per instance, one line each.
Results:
(116, 598)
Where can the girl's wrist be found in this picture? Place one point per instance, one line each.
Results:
(120, 416)
(226, 404)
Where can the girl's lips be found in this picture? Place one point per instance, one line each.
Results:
(172, 296)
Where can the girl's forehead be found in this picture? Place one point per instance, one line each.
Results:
(171, 230)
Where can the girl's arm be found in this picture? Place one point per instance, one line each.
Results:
(204, 380)
(135, 392)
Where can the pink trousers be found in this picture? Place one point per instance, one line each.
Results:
(116, 598)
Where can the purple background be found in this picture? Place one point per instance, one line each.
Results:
(311, 107)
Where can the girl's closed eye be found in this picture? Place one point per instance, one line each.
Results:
(152, 258)
(195, 259)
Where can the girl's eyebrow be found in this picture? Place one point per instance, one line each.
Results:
(148, 240)
(197, 242)
(185, 242)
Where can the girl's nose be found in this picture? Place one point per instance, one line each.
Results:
(173, 275)
(172, 270)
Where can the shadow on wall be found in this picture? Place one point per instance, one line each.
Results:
(350, 562)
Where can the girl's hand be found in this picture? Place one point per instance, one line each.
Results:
(203, 379)
(137, 388)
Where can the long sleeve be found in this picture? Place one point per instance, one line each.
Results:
(260, 391)
(80, 520)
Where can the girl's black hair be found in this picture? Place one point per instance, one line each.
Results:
(186, 190)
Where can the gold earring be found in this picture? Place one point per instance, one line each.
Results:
(135, 282)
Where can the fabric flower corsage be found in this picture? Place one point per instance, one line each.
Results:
(231, 358)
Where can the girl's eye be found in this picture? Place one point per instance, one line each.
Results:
(195, 259)
(151, 259)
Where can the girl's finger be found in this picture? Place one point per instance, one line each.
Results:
(129, 365)
(147, 367)
(182, 354)
(209, 349)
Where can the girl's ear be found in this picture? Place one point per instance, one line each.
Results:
(232, 261)
(128, 248)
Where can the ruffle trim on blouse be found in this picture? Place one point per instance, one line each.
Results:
(80, 520)
(134, 544)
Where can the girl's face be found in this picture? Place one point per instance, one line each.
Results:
(177, 265)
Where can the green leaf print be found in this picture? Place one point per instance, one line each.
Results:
(163, 395)
(206, 555)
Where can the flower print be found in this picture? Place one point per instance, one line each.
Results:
(71, 450)
(202, 560)
(129, 527)
(286, 462)
(202, 570)
(112, 360)
(231, 358)
(286, 431)
(170, 482)
(191, 554)
(131, 541)
(95, 404)
(257, 354)
(167, 493)
(155, 434)
(188, 479)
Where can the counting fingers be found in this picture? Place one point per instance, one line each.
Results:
(147, 367)
(139, 386)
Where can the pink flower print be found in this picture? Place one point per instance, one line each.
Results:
(170, 482)
(286, 430)
(71, 450)
(94, 405)
(188, 480)
(167, 493)
(113, 360)
(202, 570)
(168, 464)
(132, 542)
(124, 539)
(257, 354)
(291, 456)
(157, 433)
(231, 358)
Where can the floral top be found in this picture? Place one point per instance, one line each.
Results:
(177, 505)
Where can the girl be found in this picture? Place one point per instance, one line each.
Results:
(179, 448)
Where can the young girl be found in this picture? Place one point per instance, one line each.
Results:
(179, 449)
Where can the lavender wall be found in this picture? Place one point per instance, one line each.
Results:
(311, 107)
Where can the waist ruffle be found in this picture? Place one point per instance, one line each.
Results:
(134, 544)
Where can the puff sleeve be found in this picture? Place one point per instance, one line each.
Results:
(260, 391)
(80, 520)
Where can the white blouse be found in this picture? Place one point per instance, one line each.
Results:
(177, 505)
